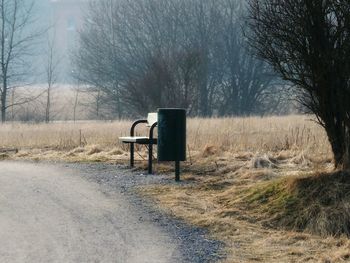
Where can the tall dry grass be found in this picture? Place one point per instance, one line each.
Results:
(62, 135)
(258, 134)
(254, 134)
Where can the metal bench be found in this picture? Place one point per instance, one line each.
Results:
(151, 122)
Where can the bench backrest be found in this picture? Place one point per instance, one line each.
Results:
(152, 118)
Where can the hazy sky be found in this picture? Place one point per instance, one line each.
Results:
(63, 17)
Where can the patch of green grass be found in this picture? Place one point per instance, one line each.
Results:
(272, 198)
(318, 204)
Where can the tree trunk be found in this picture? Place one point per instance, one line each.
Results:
(336, 120)
(12, 104)
(97, 110)
(75, 104)
(203, 88)
(346, 155)
(3, 104)
(48, 105)
(339, 138)
(3, 108)
(119, 107)
(341, 154)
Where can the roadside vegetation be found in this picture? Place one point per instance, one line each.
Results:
(264, 186)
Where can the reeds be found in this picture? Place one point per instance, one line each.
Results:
(253, 134)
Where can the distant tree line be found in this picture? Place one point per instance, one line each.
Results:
(139, 55)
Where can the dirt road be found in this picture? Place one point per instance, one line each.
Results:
(51, 214)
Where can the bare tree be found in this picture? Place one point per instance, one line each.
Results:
(97, 58)
(15, 45)
(76, 100)
(51, 70)
(146, 54)
(166, 83)
(308, 44)
(247, 85)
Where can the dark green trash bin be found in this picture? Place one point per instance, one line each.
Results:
(172, 136)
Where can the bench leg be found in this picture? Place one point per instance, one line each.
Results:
(131, 155)
(150, 157)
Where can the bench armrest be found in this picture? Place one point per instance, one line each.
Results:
(151, 130)
(132, 130)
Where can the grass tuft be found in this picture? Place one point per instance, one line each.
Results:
(94, 149)
(318, 204)
(209, 150)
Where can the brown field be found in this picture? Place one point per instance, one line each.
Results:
(234, 182)
(231, 135)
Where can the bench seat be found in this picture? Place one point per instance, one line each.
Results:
(151, 122)
(138, 140)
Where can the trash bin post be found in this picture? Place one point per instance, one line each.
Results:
(177, 171)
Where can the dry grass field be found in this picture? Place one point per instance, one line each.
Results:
(253, 182)
(271, 135)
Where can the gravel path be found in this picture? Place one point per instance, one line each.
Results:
(89, 213)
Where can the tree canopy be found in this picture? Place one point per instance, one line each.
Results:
(308, 43)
